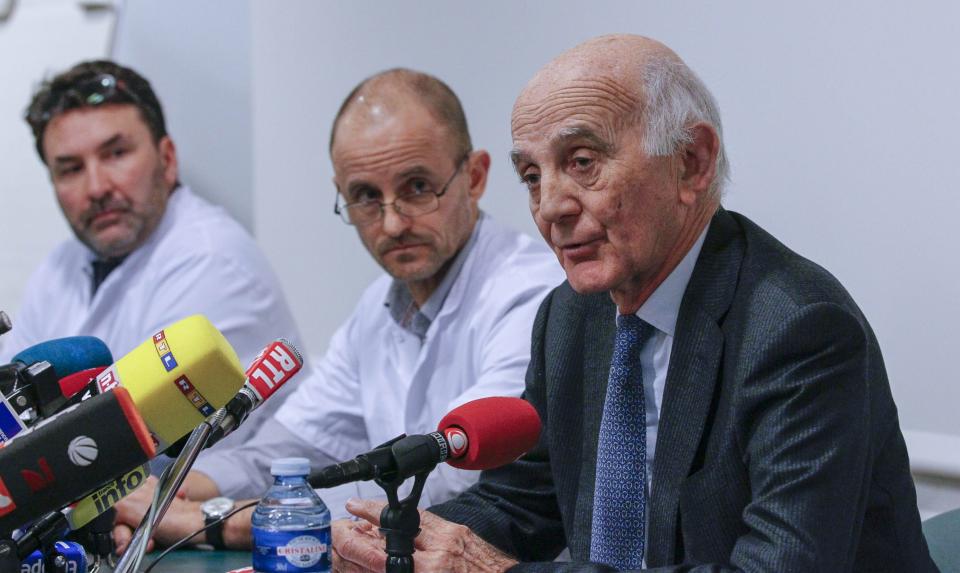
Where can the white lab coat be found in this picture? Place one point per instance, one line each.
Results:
(377, 380)
(197, 261)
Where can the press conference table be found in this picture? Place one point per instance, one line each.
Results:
(194, 561)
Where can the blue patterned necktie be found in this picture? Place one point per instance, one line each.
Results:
(619, 499)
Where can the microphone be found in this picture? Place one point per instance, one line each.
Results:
(29, 382)
(23, 401)
(104, 497)
(70, 454)
(71, 555)
(78, 384)
(68, 355)
(479, 435)
(270, 370)
(177, 378)
(82, 513)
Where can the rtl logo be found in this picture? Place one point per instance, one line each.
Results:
(272, 368)
(108, 380)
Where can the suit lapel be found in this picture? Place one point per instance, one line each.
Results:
(691, 379)
(598, 340)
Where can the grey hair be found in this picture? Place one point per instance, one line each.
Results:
(675, 100)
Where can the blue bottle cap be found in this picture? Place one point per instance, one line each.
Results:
(290, 467)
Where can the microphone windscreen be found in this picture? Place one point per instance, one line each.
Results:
(78, 381)
(178, 378)
(68, 355)
(69, 455)
(498, 431)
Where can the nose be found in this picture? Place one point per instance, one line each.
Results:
(557, 198)
(98, 181)
(394, 223)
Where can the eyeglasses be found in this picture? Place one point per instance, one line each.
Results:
(100, 89)
(412, 203)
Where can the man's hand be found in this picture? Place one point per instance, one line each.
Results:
(442, 546)
(183, 517)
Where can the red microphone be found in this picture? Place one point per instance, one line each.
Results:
(79, 381)
(479, 435)
(490, 432)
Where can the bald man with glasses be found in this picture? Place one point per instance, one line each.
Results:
(448, 322)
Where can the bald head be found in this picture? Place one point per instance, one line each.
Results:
(642, 80)
(616, 58)
(383, 95)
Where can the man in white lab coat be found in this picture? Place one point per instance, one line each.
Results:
(147, 251)
(449, 322)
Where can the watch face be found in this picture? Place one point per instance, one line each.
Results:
(217, 506)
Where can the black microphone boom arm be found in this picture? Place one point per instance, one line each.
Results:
(396, 460)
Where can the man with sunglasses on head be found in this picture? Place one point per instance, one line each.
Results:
(147, 250)
(447, 323)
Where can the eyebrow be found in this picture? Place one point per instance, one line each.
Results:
(567, 134)
(403, 176)
(413, 171)
(564, 137)
(517, 156)
(354, 187)
(105, 145)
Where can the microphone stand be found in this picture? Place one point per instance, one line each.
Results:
(170, 481)
(42, 535)
(9, 562)
(400, 522)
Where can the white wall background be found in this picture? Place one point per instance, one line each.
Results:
(839, 120)
(38, 39)
(197, 57)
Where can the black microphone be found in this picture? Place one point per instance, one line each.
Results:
(30, 392)
(69, 455)
(482, 434)
(400, 458)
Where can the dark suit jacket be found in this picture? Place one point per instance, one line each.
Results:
(778, 448)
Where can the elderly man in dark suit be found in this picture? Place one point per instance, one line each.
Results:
(711, 401)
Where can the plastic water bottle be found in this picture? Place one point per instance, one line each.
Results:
(291, 524)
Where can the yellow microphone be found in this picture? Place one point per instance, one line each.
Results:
(104, 497)
(177, 378)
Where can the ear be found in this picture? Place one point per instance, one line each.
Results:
(698, 163)
(478, 166)
(168, 160)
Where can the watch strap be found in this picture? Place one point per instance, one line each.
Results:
(214, 532)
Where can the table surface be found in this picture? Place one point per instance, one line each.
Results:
(195, 561)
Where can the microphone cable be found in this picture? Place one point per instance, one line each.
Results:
(186, 539)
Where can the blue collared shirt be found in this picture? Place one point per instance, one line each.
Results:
(404, 309)
(661, 311)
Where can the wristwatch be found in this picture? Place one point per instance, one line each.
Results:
(213, 511)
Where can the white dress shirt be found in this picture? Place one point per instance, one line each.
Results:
(661, 311)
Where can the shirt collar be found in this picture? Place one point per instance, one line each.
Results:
(663, 306)
(400, 302)
(98, 269)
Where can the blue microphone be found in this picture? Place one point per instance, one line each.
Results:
(29, 385)
(68, 355)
